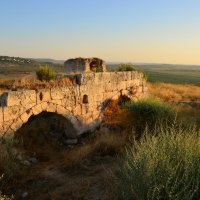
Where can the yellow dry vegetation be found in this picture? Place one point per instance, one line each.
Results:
(175, 92)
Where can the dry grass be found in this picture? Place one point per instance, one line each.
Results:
(34, 84)
(175, 92)
(116, 115)
(9, 167)
(83, 168)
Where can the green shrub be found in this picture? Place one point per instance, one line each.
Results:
(126, 67)
(145, 76)
(150, 113)
(161, 167)
(45, 73)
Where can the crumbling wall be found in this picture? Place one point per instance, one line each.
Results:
(82, 103)
(83, 65)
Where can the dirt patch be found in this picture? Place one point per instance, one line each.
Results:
(65, 178)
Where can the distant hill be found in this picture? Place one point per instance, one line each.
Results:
(7, 60)
(49, 60)
(18, 67)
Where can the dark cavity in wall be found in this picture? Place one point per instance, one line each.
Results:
(85, 99)
(44, 134)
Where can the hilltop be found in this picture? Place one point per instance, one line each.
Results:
(10, 61)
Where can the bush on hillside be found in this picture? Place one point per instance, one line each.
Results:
(45, 73)
(126, 67)
(150, 113)
(161, 167)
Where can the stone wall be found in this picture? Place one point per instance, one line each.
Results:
(82, 103)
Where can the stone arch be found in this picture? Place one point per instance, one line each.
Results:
(39, 108)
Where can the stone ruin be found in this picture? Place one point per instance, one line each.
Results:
(82, 103)
(82, 65)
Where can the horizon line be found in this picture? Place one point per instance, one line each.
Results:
(118, 62)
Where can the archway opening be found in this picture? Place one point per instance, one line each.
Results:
(44, 135)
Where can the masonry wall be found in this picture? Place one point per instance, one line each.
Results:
(81, 103)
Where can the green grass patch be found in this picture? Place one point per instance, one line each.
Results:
(150, 112)
(126, 67)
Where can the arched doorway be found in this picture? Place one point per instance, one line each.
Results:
(44, 135)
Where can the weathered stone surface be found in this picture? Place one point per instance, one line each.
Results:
(60, 109)
(59, 93)
(44, 106)
(17, 98)
(51, 107)
(1, 115)
(80, 65)
(77, 110)
(26, 115)
(57, 102)
(82, 103)
(11, 113)
(37, 109)
(16, 124)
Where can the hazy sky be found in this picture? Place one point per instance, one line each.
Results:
(163, 31)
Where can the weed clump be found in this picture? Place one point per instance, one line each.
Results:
(165, 166)
(126, 67)
(150, 113)
(45, 73)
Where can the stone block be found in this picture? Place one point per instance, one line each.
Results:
(98, 97)
(57, 102)
(20, 98)
(84, 109)
(122, 85)
(77, 110)
(44, 106)
(59, 93)
(13, 112)
(12, 98)
(68, 102)
(26, 115)
(16, 124)
(51, 107)
(109, 87)
(69, 109)
(60, 110)
(37, 109)
(129, 76)
(28, 97)
(129, 83)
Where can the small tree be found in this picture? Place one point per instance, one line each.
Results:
(126, 67)
(45, 73)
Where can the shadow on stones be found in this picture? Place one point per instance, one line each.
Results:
(44, 135)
